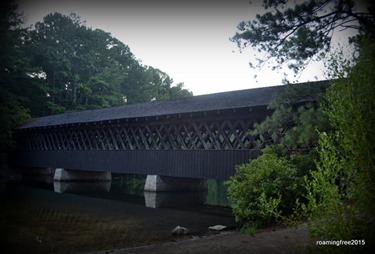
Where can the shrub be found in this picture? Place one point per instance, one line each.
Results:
(266, 188)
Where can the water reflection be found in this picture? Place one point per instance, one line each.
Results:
(41, 179)
(217, 193)
(174, 199)
(131, 188)
(81, 187)
(43, 176)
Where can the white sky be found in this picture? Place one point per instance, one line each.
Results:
(189, 40)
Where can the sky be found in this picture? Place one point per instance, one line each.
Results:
(188, 40)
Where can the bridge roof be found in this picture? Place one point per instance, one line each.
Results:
(202, 103)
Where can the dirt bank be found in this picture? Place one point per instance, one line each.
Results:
(271, 240)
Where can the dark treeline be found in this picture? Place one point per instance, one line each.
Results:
(61, 65)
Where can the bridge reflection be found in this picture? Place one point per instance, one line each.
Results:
(81, 187)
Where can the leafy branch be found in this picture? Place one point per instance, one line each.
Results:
(300, 33)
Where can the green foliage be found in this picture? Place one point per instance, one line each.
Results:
(14, 82)
(326, 191)
(88, 69)
(11, 115)
(62, 65)
(296, 32)
(267, 188)
(292, 123)
(341, 192)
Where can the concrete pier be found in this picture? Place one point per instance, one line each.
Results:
(75, 175)
(165, 183)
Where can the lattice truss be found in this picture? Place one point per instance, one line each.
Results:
(195, 135)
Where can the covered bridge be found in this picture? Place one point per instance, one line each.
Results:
(195, 137)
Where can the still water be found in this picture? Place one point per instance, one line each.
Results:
(59, 217)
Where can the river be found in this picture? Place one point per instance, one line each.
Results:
(56, 217)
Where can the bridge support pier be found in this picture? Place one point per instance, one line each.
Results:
(75, 175)
(165, 183)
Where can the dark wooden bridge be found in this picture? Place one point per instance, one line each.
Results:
(195, 137)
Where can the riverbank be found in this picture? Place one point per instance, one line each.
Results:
(268, 240)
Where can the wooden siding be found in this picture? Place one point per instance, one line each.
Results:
(205, 164)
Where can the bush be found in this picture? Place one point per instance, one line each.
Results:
(327, 190)
(341, 192)
(267, 188)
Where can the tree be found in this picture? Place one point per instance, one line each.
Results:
(296, 118)
(84, 68)
(342, 189)
(17, 87)
(88, 69)
(147, 83)
(163, 85)
(62, 65)
(297, 34)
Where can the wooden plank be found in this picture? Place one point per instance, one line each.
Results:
(205, 164)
